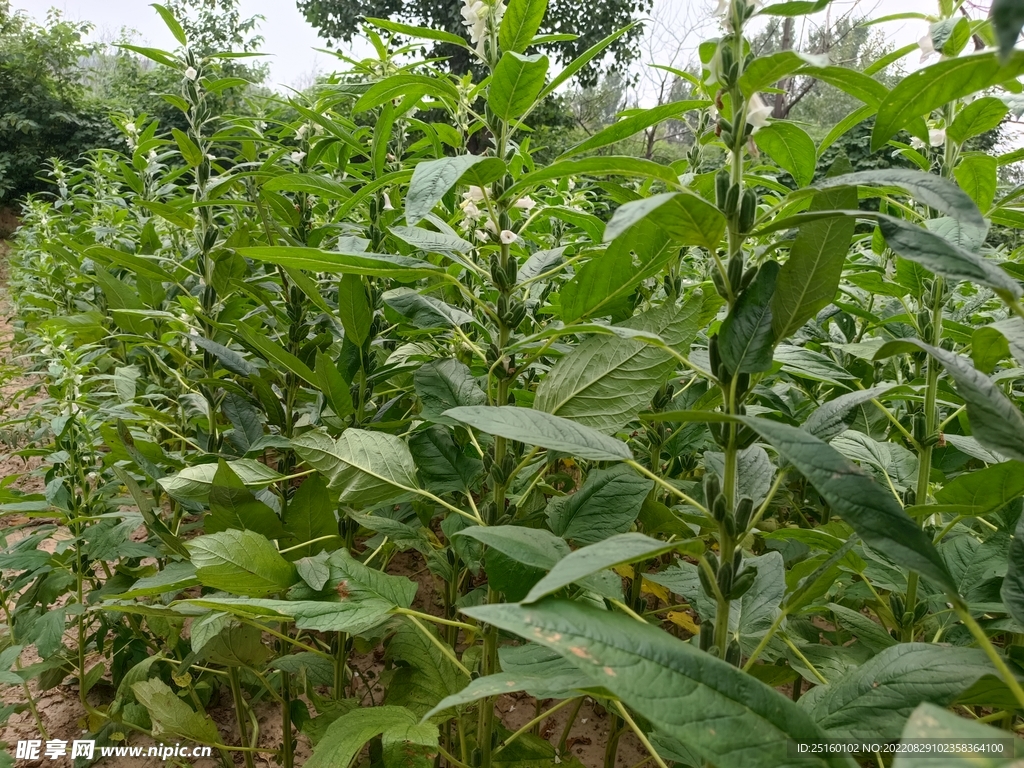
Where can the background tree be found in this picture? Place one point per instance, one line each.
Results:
(591, 22)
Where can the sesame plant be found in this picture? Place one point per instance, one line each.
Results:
(357, 414)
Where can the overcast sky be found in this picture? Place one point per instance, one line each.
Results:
(291, 41)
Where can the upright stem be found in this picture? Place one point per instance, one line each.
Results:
(287, 746)
(240, 715)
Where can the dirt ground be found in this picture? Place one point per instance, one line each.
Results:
(64, 717)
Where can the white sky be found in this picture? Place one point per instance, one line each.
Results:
(291, 41)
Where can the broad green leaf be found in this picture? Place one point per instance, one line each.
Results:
(746, 338)
(194, 483)
(831, 418)
(558, 682)
(730, 718)
(601, 165)
(542, 429)
(967, 236)
(929, 722)
(171, 22)
(809, 278)
(444, 384)
(607, 503)
(874, 700)
(520, 23)
(425, 311)
(983, 491)
(988, 347)
(573, 67)
(977, 566)
(432, 180)
(893, 463)
(604, 382)
(173, 578)
(310, 514)
(232, 505)
(943, 258)
(309, 183)
(274, 353)
(443, 466)
(335, 389)
(791, 149)
(430, 241)
(346, 736)
(938, 84)
(420, 32)
(229, 358)
(363, 468)
(423, 675)
(628, 126)
(191, 153)
(795, 7)
(1013, 585)
(241, 562)
(764, 71)
(354, 308)
(400, 85)
(689, 219)
(515, 84)
(616, 550)
(978, 117)
(976, 175)
(1007, 19)
(235, 646)
(754, 471)
(857, 84)
(173, 717)
(995, 421)
(315, 260)
(927, 188)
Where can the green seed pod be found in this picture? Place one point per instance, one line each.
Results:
(502, 306)
(705, 582)
(908, 619)
(497, 273)
(511, 271)
(722, 183)
(719, 282)
(920, 428)
(748, 210)
(719, 510)
(742, 583)
(748, 278)
(734, 271)
(720, 432)
(726, 55)
(729, 525)
(733, 653)
(707, 635)
(744, 511)
(714, 355)
(924, 319)
(737, 560)
(712, 487)
(725, 577)
(745, 437)
(742, 384)
(920, 611)
(732, 200)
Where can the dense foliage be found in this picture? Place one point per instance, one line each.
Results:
(739, 459)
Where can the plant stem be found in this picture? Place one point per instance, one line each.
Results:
(240, 715)
(640, 734)
(986, 645)
(441, 646)
(340, 665)
(535, 721)
(560, 747)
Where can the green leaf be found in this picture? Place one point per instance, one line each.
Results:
(978, 117)
(442, 465)
(400, 85)
(874, 700)
(934, 86)
(754, 471)
(241, 562)
(431, 242)
(995, 421)
(613, 165)
(315, 260)
(746, 338)
(795, 7)
(689, 219)
(983, 491)
(1007, 20)
(831, 418)
(423, 674)
(229, 358)
(988, 347)
(791, 149)
(335, 389)
(542, 429)
(927, 188)
(929, 722)
(608, 503)
(171, 22)
(1013, 585)
(425, 311)
(192, 154)
(976, 175)
(346, 736)
(173, 717)
(309, 183)
(765, 71)
(623, 129)
(194, 483)
(605, 382)
(943, 258)
(516, 83)
(445, 384)
(274, 353)
(808, 281)
(520, 23)
(421, 32)
(354, 309)
(363, 468)
(616, 550)
(309, 515)
(232, 506)
(730, 718)
(432, 180)
(174, 578)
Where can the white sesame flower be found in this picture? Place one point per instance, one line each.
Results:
(470, 209)
(758, 112)
(191, 73)
(722, 9)
(916, 143)
(491, 227)
(508, 236)
(476, 194)
(482, 235)
(937, 137)
(474, 14)
(296, 157)
(387, 203)
(303, 129)
(525, 203)
(927, 46)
